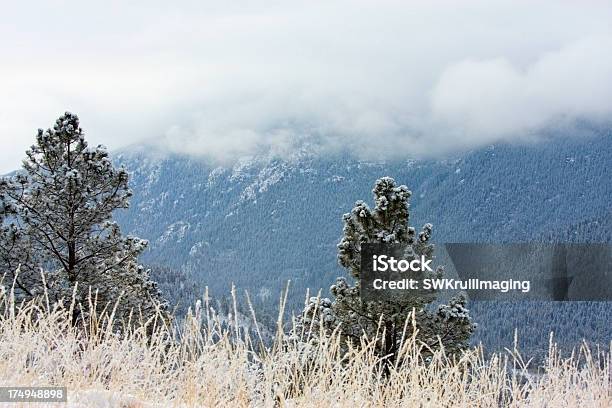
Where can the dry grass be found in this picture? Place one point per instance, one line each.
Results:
(202, 363)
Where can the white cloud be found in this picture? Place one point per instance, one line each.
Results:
(494, 98)
(382, 77)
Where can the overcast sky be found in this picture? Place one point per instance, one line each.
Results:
(381, 77)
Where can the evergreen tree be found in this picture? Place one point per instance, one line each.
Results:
(449, 325)
(58, 217)
(15, 251)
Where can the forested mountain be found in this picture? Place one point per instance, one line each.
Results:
(265, 219)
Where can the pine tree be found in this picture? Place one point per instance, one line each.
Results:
(58, 217)
(15, 251)
(449, 325)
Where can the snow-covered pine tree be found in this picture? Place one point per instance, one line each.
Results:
(57, 216)
(449, 325)
(15, 251)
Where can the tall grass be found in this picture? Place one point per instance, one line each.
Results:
(201, 361)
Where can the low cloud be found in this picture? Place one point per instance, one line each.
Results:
(380, 79)
(495, 98)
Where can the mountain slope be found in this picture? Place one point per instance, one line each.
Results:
(265, 220)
